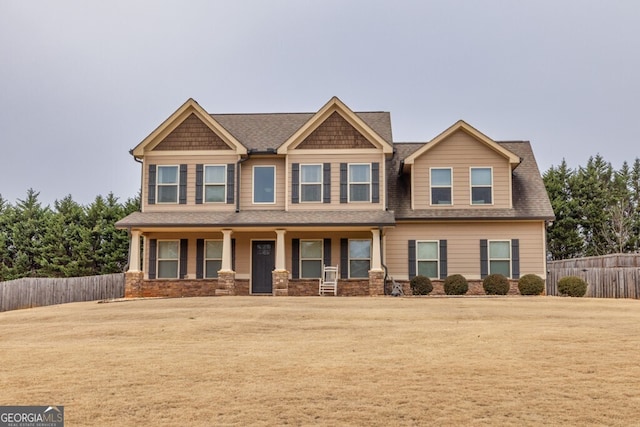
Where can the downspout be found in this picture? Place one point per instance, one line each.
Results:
(238, 167)
(386, 270)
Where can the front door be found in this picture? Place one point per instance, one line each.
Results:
(263, 261)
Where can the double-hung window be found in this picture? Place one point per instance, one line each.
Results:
(264, 184)
(360, 182)
(167, 184)
(500, 257)
(215, 183)
(310, 183)
(168, 259)
(359, 258)
(441, 186)
(212, 258)
(427, 258)
(310, 259)
(481, 186)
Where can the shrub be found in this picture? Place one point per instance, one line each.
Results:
(496, 284)
(455, 284)
(530, 284)
(421, 285)
(572, 286)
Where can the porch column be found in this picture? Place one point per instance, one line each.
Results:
(226, 250)
(134, 253)
(280, 251)
(376, 263)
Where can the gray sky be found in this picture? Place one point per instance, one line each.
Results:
(83, 82)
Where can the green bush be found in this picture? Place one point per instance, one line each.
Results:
(421, 285)
(455, 284)
(572, 286)
(530, 284)
(496, 284)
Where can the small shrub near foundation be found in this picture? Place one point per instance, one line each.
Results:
(572, 286)
(495, 284)
(421, 285)
(530, 284)
(456, 284)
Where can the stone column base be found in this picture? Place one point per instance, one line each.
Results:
(376, 282)
(280, 282)
(133, 284)
(226, 283)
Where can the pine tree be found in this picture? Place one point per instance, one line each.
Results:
(6, 212)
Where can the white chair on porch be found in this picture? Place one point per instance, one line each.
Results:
(329, 280)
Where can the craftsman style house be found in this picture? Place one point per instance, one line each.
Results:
(239, 204)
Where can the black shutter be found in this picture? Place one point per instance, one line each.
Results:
(199, 183)
(184, 244)
(153, 247)
(295, 258)
(152, 185)
(484, 259)
(443, 259)
(344, 258)
(515, 259)
(412, 259)
(327, 252)
(326, 183)
(183, 184)
(233, 254)
(231, 175)
(295, 183)
(375, 182)
(199, 258)
(343, 183)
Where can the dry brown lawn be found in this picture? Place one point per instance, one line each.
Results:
(327, 361)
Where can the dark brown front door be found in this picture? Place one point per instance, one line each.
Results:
(263, 261)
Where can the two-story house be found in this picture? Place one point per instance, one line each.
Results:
(239, 204)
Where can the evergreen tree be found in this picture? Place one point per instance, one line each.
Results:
(110, 246)
(6, 212)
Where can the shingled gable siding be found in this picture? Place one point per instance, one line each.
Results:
(460, 152)
(335, 133)
(191, 134)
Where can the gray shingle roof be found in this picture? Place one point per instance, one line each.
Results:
(273, 218)
(530, 199)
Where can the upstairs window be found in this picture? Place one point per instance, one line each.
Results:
(212, 258)
(311, 183)
(264, 184)
(167, 184)
(481, 186)
(310, 259)
(428, 259)
(359, 182)
(168, 257)
(500, 257)
(441, 186)
(215, 183)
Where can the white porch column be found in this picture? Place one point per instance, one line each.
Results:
(376, 263)
(280, 252)
(134, 253)
(226, 250)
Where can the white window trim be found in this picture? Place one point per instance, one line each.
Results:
(358, 259)
(437, 260)
(205, 259)
(431, 186)
(253, 184)
(158, 259)
(321, 259)
(204, 184)
(321, 183)
(359, 182)
(471, 186)
(158, 184)
(510, 259)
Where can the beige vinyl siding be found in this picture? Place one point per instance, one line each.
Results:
(461, 152)
(345, 156)
(191, 160)
(246, 184)
(463, 245)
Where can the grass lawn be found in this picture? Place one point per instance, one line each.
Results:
(327, 361)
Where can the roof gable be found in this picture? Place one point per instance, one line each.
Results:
(202, 132)
(461, 125)
(317, 131)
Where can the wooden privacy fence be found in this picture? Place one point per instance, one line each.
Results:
(609, 276)
(38, 291)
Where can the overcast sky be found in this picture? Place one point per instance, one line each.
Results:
(82, 82)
